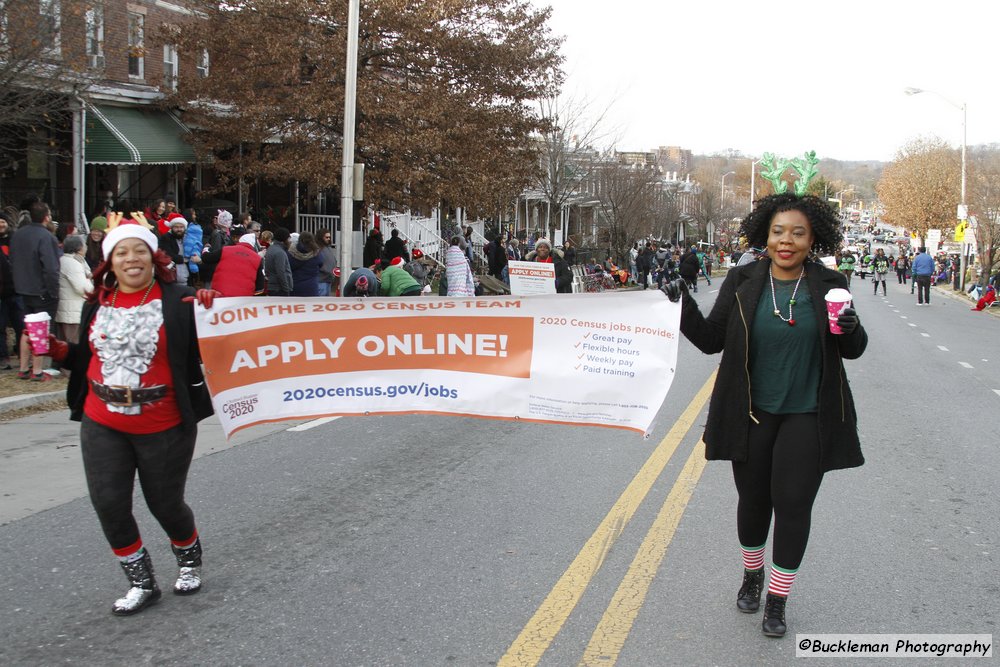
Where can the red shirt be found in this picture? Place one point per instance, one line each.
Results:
(135, 334)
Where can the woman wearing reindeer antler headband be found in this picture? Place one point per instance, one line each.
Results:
(781, 409)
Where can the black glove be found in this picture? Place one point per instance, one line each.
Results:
(848, 320)
(675, 288)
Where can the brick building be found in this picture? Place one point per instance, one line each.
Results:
(116, 142)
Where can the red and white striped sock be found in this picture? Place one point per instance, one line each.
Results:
(130, 553)
(781, 581)
(753, 558)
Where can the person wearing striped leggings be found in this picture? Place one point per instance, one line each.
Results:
(781, 409)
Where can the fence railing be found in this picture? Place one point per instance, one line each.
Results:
(423, 233)
(309, 222)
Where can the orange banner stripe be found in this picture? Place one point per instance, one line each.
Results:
(487, 345)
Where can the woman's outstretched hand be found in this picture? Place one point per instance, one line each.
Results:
(58, 349)
(675, 288)
(204, 297)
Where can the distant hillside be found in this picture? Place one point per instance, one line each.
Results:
(862, 175)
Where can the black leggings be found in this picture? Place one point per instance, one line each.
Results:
(110, 461)
(781, 473)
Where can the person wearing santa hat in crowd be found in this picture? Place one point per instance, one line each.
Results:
(137, 388)
(172, 243)
(394, 280)
(238, 270)
(421, 268)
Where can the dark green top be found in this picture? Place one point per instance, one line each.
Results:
(785, 360)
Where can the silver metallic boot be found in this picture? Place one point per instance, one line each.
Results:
(144, 590)
(189, 561)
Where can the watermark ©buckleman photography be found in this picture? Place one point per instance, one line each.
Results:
(893, 646)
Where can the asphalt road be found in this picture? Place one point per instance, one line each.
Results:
(434, 541)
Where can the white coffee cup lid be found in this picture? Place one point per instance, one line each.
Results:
(838, 295)
(37, 317)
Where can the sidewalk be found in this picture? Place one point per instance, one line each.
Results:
(40, 464)
(11, 403)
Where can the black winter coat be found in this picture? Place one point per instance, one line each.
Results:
(689, 266)
(726, 329)
(192, 395)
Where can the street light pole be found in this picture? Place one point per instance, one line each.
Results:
(722, 206)
(753, 173)
(963, 209)
(722, 189)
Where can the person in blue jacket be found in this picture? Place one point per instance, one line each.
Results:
(922, 270)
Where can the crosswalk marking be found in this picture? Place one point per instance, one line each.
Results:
(997, 392)
(965, 364)
(942, 348)
(910, 324)
(925, 335)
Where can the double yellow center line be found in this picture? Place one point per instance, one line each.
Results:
(610, 635)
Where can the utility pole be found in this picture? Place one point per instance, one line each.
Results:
(347, 165)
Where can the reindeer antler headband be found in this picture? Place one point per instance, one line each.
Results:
(773, 168)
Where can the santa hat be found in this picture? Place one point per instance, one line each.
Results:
(397, 261)
(177, 220)
(173, 215)
(250, 239)
(128, 230)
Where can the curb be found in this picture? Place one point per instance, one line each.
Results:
(11, 403)
(962, 297)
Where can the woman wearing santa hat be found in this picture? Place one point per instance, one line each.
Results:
(393, 280)
(138, 390)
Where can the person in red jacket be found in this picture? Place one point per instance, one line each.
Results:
(989, 297)
(239, 270)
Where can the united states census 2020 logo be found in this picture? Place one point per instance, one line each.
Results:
(239, 407)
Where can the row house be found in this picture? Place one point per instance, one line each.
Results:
(118, 143)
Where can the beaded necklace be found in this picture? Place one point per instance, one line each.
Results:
(791, 302)
(114, 297)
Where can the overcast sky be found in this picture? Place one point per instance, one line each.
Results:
(785, 77)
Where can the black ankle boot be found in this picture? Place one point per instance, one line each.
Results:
(189, 561)
(144, 590)
(748, 599)
(773, 624)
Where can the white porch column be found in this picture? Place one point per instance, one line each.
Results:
(79, 174)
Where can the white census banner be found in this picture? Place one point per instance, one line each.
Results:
(603, 359)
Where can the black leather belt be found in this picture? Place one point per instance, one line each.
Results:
(122, 396)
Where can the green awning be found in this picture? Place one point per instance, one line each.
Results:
(130, 135)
